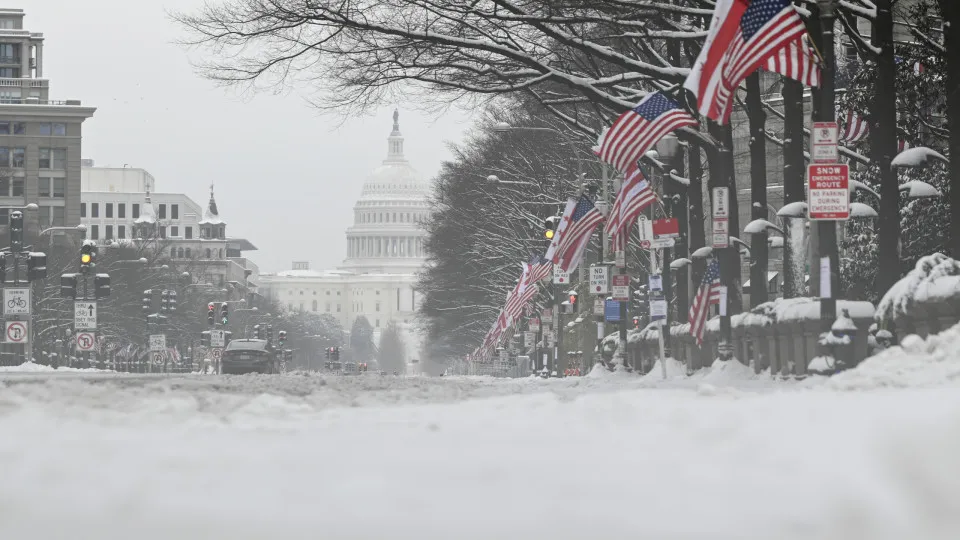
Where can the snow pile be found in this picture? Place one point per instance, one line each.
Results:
(728, 372)
(914, 363)
(675, 370)
(917, 157)
(929, 281)
(31, 367)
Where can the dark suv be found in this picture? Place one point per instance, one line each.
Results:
(249, 356)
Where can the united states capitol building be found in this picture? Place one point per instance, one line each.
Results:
(385, 250)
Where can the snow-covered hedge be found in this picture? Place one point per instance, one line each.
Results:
(934, 280)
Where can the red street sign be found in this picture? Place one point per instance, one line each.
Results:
(666, 228)
(829, 191)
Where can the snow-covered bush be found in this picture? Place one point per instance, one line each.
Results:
(919, 284)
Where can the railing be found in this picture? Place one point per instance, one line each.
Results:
(35, 101)
(9, 59)
(19, 83)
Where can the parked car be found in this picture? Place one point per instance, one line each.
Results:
(249, 356)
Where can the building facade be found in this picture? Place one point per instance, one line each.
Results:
(40, 138)
(384, 253)
(119, 207)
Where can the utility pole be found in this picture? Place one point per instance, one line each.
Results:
(825, 112)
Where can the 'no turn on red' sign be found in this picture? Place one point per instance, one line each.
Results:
(829, 191)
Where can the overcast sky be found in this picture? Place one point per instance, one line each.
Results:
(286, 177)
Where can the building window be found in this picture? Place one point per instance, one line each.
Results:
(163, 211)
(135, 210)
(13, 128)
(328, 307)
(121, 210)
(188, 253)
(108, 209)
(44, 217)
(328, 293)
(94, 232)
(94, 209)
(53, 158)
(174, 231)
(59, 188)
(378, 323)
(338, 308)
(314, 305)
(174, 211)
(378, 306)
(12, 156)
(59, 219)
(163, 231)
(83, 209)
(121, 232)
(108, 232)
(208, 256)
(55, 129)
(188, 232)
(301, 306)
(43, 187)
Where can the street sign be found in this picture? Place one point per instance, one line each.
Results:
(721, 233)
(158, 358)
(600, 279)
(86, 341)
(529, 339)
(658, 310)
(656, 282)
(504, 356)
(16, 301)
(16, 332)
(621, 288)
(823, 141)
(85, 315)
(646, 231)
(598, 306)
(217, 338)
(158, 342)
(829, 191)
(216, 353)
(723, 300)
(662, 243)
(666, 228)
(620, 258)
(559, 276)
(611, 310)
(534, 325)
(547, 316)
(549, 338)
(721, 218)
(721, 202)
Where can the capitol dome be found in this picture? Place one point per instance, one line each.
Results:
(387, 236)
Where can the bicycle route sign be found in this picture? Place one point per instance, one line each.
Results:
(16, 301)
(86, 341)
(85, 315)
(16, 332)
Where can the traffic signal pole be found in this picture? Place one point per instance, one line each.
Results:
(827, 230)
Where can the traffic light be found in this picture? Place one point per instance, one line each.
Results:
(36, 265)
(172, 301)
(88, 255)
(223, 314)
(205, 338)
(101, 284)
(636, 323)
(573, 297)
(3, 268)
(281, 338)
(211, 312)
(147, 301)
(256, 331)
(327, 352)
(164, 301)
(550, 227)
(336, 353)
(68, 285)
(16, 231)
(269, 334)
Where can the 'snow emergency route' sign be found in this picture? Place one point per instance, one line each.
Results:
(829, 191)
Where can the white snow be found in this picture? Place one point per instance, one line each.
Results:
(758, 226)
(916, 189)
(703, 252)
(917, 157)
(927, 281)
(724, 454)
(861, 210)
(775, 241)
(30, 367)
(796, 209)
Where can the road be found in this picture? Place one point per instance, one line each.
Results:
(722, 455)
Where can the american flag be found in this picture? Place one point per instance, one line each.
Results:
(798, 61)
(522, 294)
(855, 128)
(638, 129)
(634, 196)
(743, 35)
(540, 268)
(579, 228)
(707, 294)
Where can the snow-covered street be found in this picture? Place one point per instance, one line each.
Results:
(719, 455)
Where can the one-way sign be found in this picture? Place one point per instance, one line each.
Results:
(85, 315)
